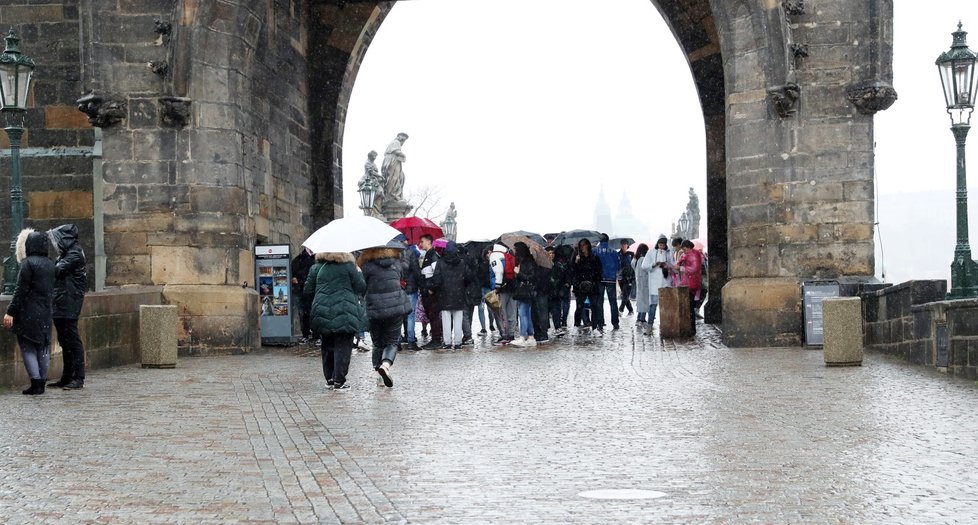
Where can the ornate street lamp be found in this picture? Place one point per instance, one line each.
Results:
(684, 225)
(957, 69)
(448, 228)
(368, 193)
(16, 70)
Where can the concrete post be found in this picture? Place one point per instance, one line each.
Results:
(843, 329)
(674, 312)
(158, 336)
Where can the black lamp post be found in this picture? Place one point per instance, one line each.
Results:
(448, 228)
(957, 69)
(15, 83)
(368, 194)
(684, 225)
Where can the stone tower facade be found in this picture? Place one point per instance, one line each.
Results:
(209, 126)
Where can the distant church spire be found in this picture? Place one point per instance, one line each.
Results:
(602, 214)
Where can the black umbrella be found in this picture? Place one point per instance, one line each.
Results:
(572, 237)
(615, 242)
(535, 237)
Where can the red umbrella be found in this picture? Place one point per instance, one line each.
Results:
(414, 227)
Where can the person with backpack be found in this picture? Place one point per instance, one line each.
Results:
(503, 264)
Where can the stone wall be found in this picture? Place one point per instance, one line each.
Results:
(109, 328)
(905, 321)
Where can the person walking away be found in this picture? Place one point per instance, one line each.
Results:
(300, 272)
(29, 312)
(641, 283)
(334, 289)
(502, 264)
(410, 278)
(689, 266)
(541, 304)
(70, 282)
(659, 268)
(449, 282)
(610, 264)
(429, 298)
(386, 302)
(587, 283)
(524, 291)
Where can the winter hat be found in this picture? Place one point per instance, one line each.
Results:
(451, 247)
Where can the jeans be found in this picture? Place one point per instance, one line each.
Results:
(384, 333)
(72, 350)
(610, 290)
(411, 337)
(36, 358)
(653, 306)
(451, 327)
(337, 349)
(541, 317)
(508, 314)
(482, 311)
(431, 309)
(626, 290)
(466, 323)
(526, 317)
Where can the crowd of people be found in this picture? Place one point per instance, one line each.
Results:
(390, 290)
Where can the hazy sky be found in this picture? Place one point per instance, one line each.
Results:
(535, 106)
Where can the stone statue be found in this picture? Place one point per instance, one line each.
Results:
(393, 169)
(370, 173)
(451, 214)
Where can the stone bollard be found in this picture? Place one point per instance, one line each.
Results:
(158, 336)
(674, 314)
(842, 319)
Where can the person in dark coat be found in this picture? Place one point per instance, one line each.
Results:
(29, 312)
(473, 292)
(336, 287)
(449, 284)
(387, 304)
(411, 279)
(300, 272)
(559, 287)
(587, 281)
(69, 294)
(482, 274)
(524, 292)
(429, 299)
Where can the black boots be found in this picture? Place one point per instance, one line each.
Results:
(37, 387)
(60, 383)
(75, 384)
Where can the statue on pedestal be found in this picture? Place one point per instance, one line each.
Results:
(393, 170)
(372, 175)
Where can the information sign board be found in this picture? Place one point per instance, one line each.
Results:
(273, 278)
(813, 293)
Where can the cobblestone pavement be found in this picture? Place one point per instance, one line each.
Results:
(500, 435)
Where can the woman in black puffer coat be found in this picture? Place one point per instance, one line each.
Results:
(387, 304)
(29, 312)
(587, 281)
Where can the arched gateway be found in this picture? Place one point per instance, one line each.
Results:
(215, 124)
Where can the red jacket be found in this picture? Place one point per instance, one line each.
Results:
(690, 265)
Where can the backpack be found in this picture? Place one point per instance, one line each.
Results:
(508, 266)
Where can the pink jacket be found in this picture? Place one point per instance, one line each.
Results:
(690, 265)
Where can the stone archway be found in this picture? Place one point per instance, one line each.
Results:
(787, 97)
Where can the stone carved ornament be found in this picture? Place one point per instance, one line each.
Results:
(103, 110)
(872, 97)
(784, 99)
(175, 111)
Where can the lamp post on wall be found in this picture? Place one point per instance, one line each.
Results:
(957, 69)
(15, 82)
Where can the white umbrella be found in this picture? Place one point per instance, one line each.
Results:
(350, 234)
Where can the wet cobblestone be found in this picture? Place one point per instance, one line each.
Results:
(499, 435)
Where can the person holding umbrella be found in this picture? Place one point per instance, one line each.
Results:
(587, 282)
(524, 292)
(335, 286)
(387, 304)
